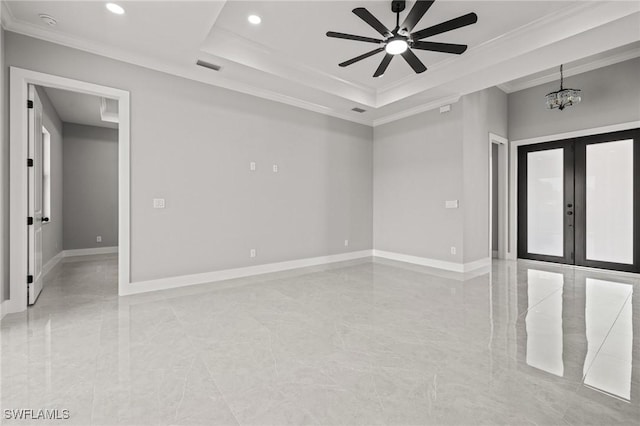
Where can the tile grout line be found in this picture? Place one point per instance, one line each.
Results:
(627, 300)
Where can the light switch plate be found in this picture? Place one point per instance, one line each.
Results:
(451, 204)
(275, 168)
(252, 166)
(158, 203)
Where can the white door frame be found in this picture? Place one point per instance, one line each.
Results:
(503, 195)
(18, 89)
(513, 170)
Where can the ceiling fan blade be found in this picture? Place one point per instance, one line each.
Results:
(453, 24)
(367, 17)
(361, 57)
(353, 37)
(383, 65)
(413, 61)
(440, 47)
(417, 12)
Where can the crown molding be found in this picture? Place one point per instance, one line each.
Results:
(535, 25)
(571, 21)
(437, 103)
(535, 35)
(233, 47)
(191, 73)
(552, 75)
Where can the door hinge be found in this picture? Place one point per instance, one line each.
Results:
(30, 220)
(29, 279)
(29, 162)
(30, 104)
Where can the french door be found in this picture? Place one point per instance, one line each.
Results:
(579, 201)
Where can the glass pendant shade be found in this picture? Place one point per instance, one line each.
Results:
(564, 97)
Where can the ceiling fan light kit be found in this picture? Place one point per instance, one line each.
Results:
(402, 41)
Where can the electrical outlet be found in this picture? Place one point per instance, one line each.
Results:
(252, 166)
(99, 239)
(252, 253)
(275, 168)
(158, 203)
(453, 250)
(346, 243)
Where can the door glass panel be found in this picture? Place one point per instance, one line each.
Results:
(545, 202)
(609, 209)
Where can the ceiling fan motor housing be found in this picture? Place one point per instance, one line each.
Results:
(398, 6)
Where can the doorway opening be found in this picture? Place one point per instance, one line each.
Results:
(27, 198)
(579, 201)
(73, 184)
(498, 197)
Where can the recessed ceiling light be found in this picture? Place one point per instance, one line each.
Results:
(254, 19)
(114, 8)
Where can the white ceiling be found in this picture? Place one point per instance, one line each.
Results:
(289, 59)
(78, 108)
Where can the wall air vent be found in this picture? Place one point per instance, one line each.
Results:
(208, 65)
(360, 110)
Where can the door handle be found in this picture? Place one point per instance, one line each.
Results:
(45, 219)
(570, 213)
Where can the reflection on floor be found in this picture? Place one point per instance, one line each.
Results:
(354, 343)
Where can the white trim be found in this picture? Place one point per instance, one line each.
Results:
(52, 263)
(18, 83)
(416, 110)
(434, 263)
(513, 169)
(188, 72)
(543, 32)
(552, 74)
(578, 133)
(4, 308)
(90, 251)
(229, 274)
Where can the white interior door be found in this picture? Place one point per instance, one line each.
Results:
(35, 197)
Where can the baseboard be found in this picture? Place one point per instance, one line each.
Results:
(90, 251)
(434, 263)
(229, 274)
(52, 263)
(6, 307)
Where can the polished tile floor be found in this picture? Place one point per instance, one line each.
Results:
(353, 343)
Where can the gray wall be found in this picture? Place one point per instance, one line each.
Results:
(52, 231)
(422, 161)
(192, 143)
(417, 167)
(484, 112)
(90, 186)
(611, 95)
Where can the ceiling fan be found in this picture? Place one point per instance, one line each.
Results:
(401, 41)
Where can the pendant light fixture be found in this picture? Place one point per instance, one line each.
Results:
(563, 97)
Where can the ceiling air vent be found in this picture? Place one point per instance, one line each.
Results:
(208, 65)
(360, 110)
